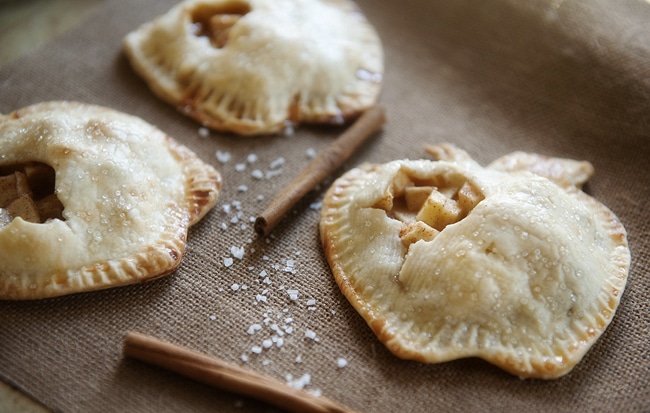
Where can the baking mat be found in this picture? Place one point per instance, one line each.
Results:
(562, 78)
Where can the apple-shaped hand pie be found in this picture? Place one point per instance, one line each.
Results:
(92, 198)
(446, 259)
(256, 66)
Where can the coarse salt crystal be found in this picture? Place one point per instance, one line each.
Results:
(244, 358)
(310, 334)
(288, 129)
(273, 174)
(228, 261)
(341, 362)
(237, 252)
(213, 317)
(260, 297)
(253, 328)
(256, 349)
(311, 302)
(204, 132)
(267, 343)
(223, 157)
(242, 188)
(240, 167)
(234, 287)
(310, 152)
(278, 162)
(257, 174)
(251, 158)
(301, 382)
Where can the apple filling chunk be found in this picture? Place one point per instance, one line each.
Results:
(426, 206)
(27, 191)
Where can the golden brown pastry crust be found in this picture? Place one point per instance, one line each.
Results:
(251, 66)
(526, 275)
(129, 194)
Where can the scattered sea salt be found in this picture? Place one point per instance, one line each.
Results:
(310, 152)
(299, 383)
(237, 252)
(234, 287)
(223, 157)
(251, 158)
(256, 349)
(310, 334)
(240, 167)
(204, 132)
(257, 174)
(278, 162)
(253, 328)
(273, 173)
(341, 362)
(242, 188)
(228, 261)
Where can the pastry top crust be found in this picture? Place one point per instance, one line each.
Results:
(129, 194)
(249, 66)
(506, 266)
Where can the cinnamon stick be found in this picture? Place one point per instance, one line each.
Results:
(320, 168)
(226, 376)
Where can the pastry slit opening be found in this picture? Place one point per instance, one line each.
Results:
(427, 206)
(27, 190)
(215, 22)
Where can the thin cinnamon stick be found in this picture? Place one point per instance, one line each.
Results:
(320, 168)
(226, 376)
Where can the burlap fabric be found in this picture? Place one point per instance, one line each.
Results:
(562, 78)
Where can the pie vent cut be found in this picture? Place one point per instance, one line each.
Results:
(92, 198)
(447, 259)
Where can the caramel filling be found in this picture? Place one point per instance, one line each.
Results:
(27, 191)
(426, 206)
(215, 22)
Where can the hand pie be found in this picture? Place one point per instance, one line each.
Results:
(255, 66)
(447, 259)
(91, 198)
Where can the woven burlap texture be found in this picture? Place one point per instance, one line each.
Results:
(558, 77)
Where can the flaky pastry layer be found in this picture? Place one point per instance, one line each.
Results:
(129, 194)
(254, 66)
(447, 259)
